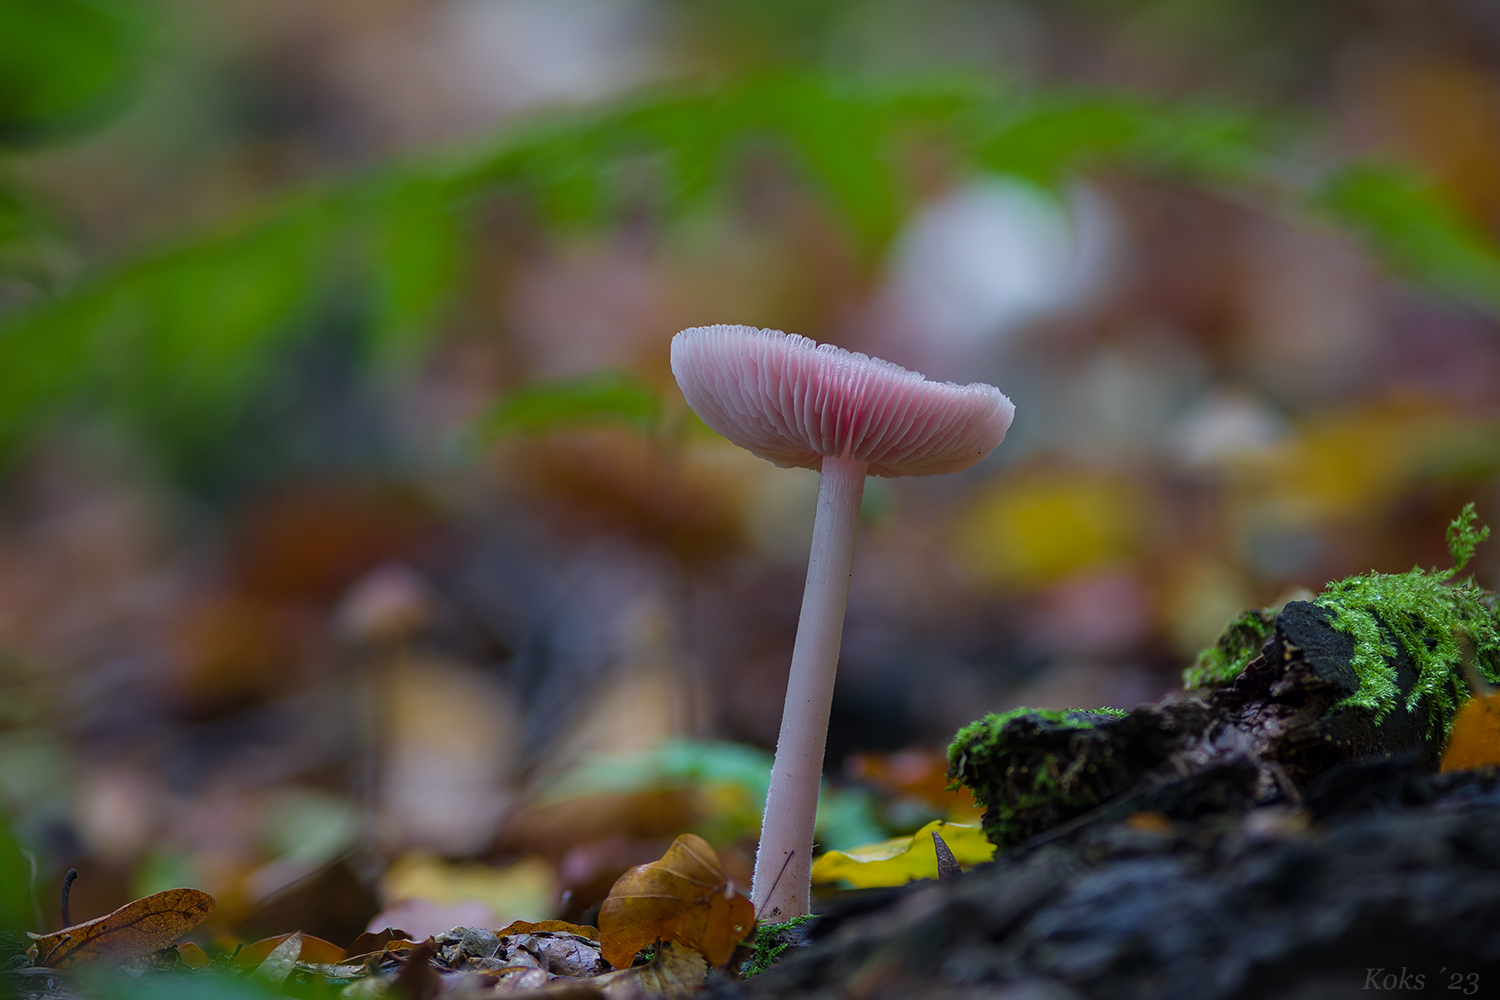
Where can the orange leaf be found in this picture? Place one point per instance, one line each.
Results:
(319, 952)
(1475, 740)
(135, 929)
(193, 956)
(393, 947)
(685, 897)
(369, 944)
(314, 950)
(551, 927)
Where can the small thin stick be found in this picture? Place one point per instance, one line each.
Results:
(947, 863)
(53, 950)
(66, 891)
(773, 884)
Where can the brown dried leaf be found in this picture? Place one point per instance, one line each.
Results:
(135, 929)
(1475, 740)
(314, 950)
(391, 949)
(417, 979)
(551, 927)
(675, 973)
(685, 897)
(561, 954)
(369, 944)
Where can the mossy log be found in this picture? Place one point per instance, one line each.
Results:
(1288, 716)
(1387, 874)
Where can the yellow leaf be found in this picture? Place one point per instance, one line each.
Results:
(1034, 528)
(525, 890)
(903, 859)
(684, 897)
(1475, 740)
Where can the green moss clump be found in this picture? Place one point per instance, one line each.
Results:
(987, 730)
(1432, 617)
(1240, 643)
(1429, 614)
(771, 940)
(1029, 768)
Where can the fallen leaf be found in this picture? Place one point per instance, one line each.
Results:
(314, 950)
(276, 966)
(417, 979)
(551, 927)
(563, 954)
(685, 897)
(674, 973)
(369, 943)
(523, 890)
(135, 929)
(193, 956)
(1475, 740)
(395, 947)
(903, 859)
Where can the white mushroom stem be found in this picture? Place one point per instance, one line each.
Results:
(783, 864)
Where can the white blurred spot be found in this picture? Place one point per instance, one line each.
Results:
(1224, 425)
(505, 54)
(994, 255)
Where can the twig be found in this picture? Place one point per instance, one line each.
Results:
(947, 863)
(67, 889)
(775, 883)
(53, 950)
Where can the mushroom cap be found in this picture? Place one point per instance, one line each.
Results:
(793, 401)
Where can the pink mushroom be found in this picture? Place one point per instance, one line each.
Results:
(815, 406)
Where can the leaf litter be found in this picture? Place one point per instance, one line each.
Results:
(683, 907)
(685, 897)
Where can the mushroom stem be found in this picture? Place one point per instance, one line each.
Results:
(783, 864)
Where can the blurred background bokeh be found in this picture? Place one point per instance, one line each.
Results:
(359, 560)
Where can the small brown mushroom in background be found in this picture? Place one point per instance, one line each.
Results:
(803, 404)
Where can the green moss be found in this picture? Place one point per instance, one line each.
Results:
(1464, 537)
(1431, 616)
(1027, 767)
(770, 941)
(1032, 769)
(988, 729)
(1240, 643)
(1426, 613)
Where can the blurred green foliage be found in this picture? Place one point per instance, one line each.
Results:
(1417, 231)
(736, 776)
(177, 344)
(17, 912)
(538, 407)
(604, 397)
(65, 65)
(208, 984)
